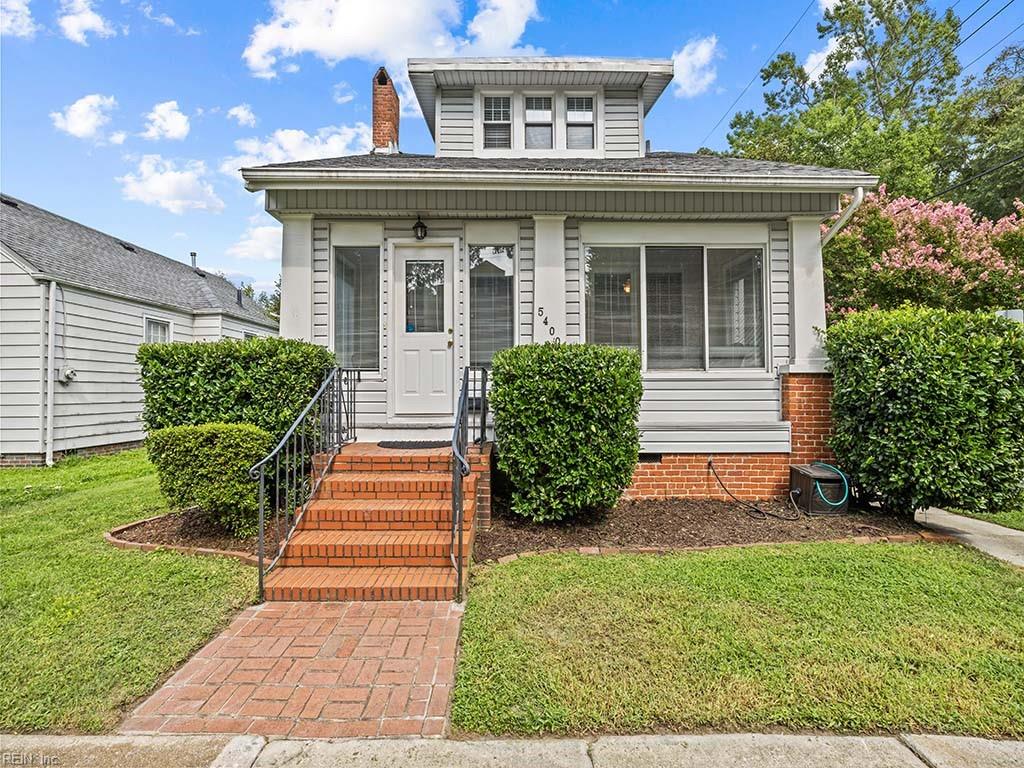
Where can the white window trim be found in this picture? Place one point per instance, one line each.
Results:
(515, 106)
(766, 372)
(474, 238)
(556, 141)
(158, 319)
(357, 234)
(558, 105)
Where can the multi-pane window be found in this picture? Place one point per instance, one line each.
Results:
(491, 301)
(157, 331)
(700, 308)
(539, 124)
(579, 122)
(357, 307)
(497, 122)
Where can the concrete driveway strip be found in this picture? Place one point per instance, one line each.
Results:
(112, 751)
(751, 751)
(959, 751)
(425, 753)
(997, 540)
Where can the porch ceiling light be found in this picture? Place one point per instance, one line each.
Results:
(419, 229)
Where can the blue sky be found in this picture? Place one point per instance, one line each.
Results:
(132, 117)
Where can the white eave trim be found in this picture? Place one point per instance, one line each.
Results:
(333, 178)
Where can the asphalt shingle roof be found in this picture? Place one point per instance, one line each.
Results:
(67, 250)
(682, 163)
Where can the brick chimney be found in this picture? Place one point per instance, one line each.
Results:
(385, 113)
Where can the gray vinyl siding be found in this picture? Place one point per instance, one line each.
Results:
(206, 327)
(593, 205)
(233, 328)
(455, 127)
(622, 124)
(573, 281)
(526, 251)
(22, 339)
(778, 295)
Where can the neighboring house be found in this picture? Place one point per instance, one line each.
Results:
(75, 304)
(543, 216)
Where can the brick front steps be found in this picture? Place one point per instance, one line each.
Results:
(379, 529)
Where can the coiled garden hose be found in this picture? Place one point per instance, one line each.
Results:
(846, 485)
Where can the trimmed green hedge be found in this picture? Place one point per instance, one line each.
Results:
(207, 466)
(928, 407)
(565, 416)
(264, 381)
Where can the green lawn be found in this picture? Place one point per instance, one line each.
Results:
(843, 637)
(1011, 519)
(87, 628)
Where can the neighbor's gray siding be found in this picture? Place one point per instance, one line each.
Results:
(455, 126)
(22, 342)
(98, 337)
(623, 133)
(233, 328)
(506, 204)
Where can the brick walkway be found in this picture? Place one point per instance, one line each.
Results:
(315, 670)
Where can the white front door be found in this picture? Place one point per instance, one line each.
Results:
(424, 331)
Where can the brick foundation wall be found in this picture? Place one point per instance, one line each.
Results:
(805, 404)
(39, 459)
(480, 465)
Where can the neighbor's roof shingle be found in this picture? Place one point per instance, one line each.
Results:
(676, 163)
(66, 250)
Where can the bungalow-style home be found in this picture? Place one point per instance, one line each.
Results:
(543, 215)
(75, 304)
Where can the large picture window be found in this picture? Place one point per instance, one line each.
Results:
(357, 307)
(698, 308)
(491, 301)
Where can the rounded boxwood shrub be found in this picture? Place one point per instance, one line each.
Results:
(207, 466)
(565, 418)
(928, 407)
(263, 381)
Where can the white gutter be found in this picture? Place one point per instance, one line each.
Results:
(51, 334)
(858, 198)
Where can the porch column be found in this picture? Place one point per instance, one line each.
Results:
(297, 276)
(806, 295)
(549, 278)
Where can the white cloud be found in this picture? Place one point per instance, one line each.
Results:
(166, 121)
(117, 137)
(160, 182)
(694, 67)
(289, 144)
(159, 18)
(827, 5)
(86, 117)
(815, 63)
(259, 242)
(243, 114)
(342, 93)
(180, 236)
(77, 19)
(333, 30)
(16, 19)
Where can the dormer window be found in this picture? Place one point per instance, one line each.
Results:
(539, 123)
(497, 122)
(579, 122)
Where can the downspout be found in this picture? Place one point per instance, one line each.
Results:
(51, 334)
(844, 216)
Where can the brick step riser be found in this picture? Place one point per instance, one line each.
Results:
(344, 594)
(398, 465)
(370, 561)
(381, 520)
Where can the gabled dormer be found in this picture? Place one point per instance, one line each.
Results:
(538, 106)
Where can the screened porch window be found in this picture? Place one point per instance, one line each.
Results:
(491, 301)
(698, 309)
(357, 307)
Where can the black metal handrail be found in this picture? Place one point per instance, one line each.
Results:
(290, 475)
(472, 403)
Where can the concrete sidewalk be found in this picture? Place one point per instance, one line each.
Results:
(704, 751)
(1004, 543)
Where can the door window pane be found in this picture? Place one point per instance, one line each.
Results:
(357, 308)
(157, 331)
(491, 301)
(612, 296)
(675, 307)
(424, 296)
(736, 308)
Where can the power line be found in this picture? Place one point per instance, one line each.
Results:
(988, 50)
(965, 182)
(752, 79)
(983, 24)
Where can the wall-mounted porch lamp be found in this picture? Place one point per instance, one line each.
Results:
(419, 229)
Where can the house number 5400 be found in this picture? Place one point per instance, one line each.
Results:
(551, 329)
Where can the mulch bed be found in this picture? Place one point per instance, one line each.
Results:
(191, 529)
(677, 523)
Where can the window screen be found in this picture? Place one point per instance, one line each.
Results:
(538, 136)
(579, 122)
(157, 331)
(497, 122)
(357, 308)
(491, 301)
(675, 308)
(612, 296)
(735, 308)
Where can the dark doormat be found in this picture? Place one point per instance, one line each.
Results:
(413, 444)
